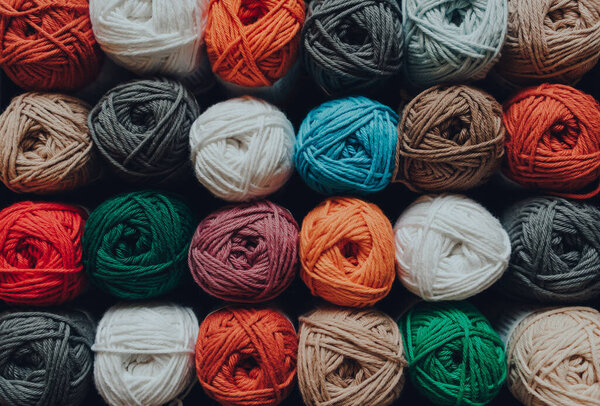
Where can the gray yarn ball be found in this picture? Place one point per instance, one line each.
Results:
(142, 128)
(45, 358)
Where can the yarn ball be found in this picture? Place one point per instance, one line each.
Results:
(135, 244)
(452, 41)
(449, 247)
(45, 358)
(40, 253)
(347, 146)
(550, 41)
(352, 45)
(454, 356)
(347, 252)
(253, 42)
(450, 138)
(141, 130)
(552, 358)
(45, 145)
(242, 149)
(151, 36)
(245, 253)
(144, 353)
(553, 140)
(246, 356)
(349, 357)
(48, 44)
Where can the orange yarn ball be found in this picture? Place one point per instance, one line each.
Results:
(347, 252)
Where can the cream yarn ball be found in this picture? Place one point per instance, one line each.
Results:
(449, 247)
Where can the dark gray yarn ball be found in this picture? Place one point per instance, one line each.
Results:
(142, 130)
(352, 44)
(45, 358)
(555, 250)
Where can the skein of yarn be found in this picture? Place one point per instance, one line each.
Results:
(45, 358)
(347, 252)
(449, 247)
(452, 41)
(347, 146)
(242, 149)
(245, 253)
(246, 356)
(135, 244)
(40, 253)
(48, 44)
(352, 45)
(553, 141)
(45, 145)
(350, 357)
(454, 356)
(450, 138)
(141, 130)
(144, 353)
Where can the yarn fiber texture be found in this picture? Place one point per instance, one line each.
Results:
(135, 244)
(48, 44)
(242, 149)
(347, 252)
(450, 138)
(454, 356)
(144, 353)
(352, 45)
(45, 358)
(141, 130)
(40, 255)
(553, 141)
(350, 357)
(246, 356)
(347, 146)
(452, 41)
(449, 247)
(245, 253)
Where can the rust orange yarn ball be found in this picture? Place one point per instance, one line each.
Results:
(347, 252)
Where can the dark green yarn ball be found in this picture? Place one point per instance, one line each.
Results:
(454, 356)
(135, 244)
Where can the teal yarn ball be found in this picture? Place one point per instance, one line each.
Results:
(347, 146)
(135, 244)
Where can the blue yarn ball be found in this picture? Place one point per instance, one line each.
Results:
(347, 146)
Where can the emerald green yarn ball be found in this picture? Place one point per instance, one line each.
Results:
(454, 356)
(135, 244)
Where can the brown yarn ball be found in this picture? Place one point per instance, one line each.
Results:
(450, 138)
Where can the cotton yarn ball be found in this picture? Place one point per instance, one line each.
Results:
(135, 244)
(347, 146)
(452, 41)
(245, 253)
(352, 45)
(144, 353)
(45, 358)
(350, 357)
(141, 130)
(450, 138)
(553, 140)
(151, 36)
(454, 356)
(48, 44)
(242, 149)
(347, 252)
(247, 356)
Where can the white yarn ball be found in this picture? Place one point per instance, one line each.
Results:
(449, 247)
(242, 149)
(145, 353)
(151, 36)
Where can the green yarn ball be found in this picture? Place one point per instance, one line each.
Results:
(454, 356)
(135, 244)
